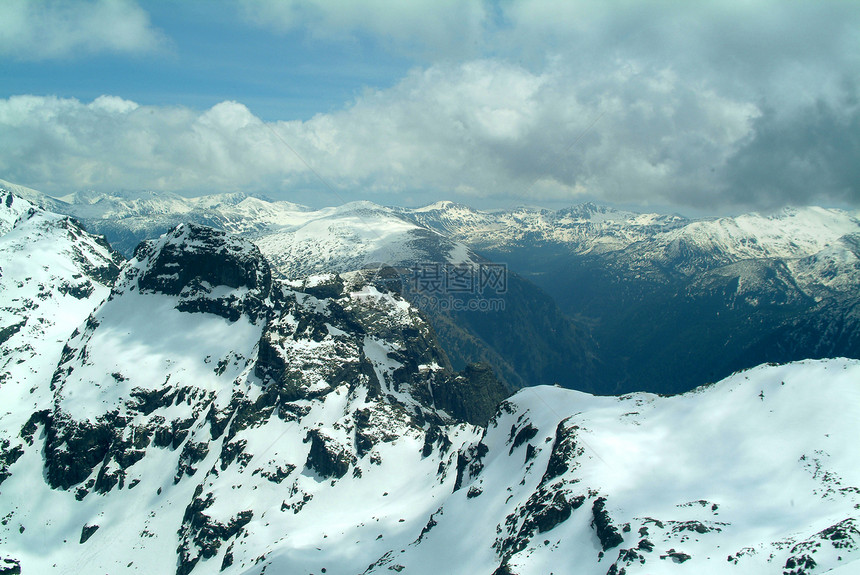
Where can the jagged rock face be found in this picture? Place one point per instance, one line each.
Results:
(212, 271)
(472, 395)
(196, 254)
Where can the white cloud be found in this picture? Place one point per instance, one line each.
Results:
(440, 27)
(690, 104)
(41, 30)
(693, 99)
(482, 128)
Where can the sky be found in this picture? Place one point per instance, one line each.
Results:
(698, 107)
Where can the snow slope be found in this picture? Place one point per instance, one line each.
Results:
(52, 276)
(755, 474)
(355, 236)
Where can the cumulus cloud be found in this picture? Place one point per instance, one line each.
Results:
(701, 104)
(64, 144)
(474, 130)
(41, 30)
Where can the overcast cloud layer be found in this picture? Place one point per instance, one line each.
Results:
(707, 105)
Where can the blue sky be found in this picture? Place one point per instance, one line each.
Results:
(709, 107)
(202, 56)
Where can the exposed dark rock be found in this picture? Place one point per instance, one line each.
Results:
(435, 436)
(472, 395)
(87, 532)
(201, 535)
(9, 566)
(364, 438)
(525, 434)
(503, 569)
(8, 456)
(431, 523)
(676, 556)
(564, 450)
(42, 417)
(192, 453)
(192, 254)
(799, 565)
(626, 557)
(330, 288)
(544, 510)
(695, 526)
(280, 473)
(607, 533)
(9, 331)
(148, 400)
(557, 511)
(73, 449)
(470, 460)
(326, 456)
(531, 452)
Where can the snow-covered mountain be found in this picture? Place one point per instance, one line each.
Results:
(128, 218)
(586, 228)
(674, 303)
(198, 360)
(718, 480)
(818, 244)
(522, 336)
(209, 418)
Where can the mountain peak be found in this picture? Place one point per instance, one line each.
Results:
(209, 269)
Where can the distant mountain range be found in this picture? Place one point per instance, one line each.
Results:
(674, 303)
(598, 299)
(188, 411)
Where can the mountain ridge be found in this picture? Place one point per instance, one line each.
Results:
(627, 290)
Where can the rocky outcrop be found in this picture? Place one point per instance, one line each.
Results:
(193, 262)
(607, 533)
(472, 395)
(326, 456)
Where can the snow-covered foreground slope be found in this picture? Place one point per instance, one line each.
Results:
(756, 474)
